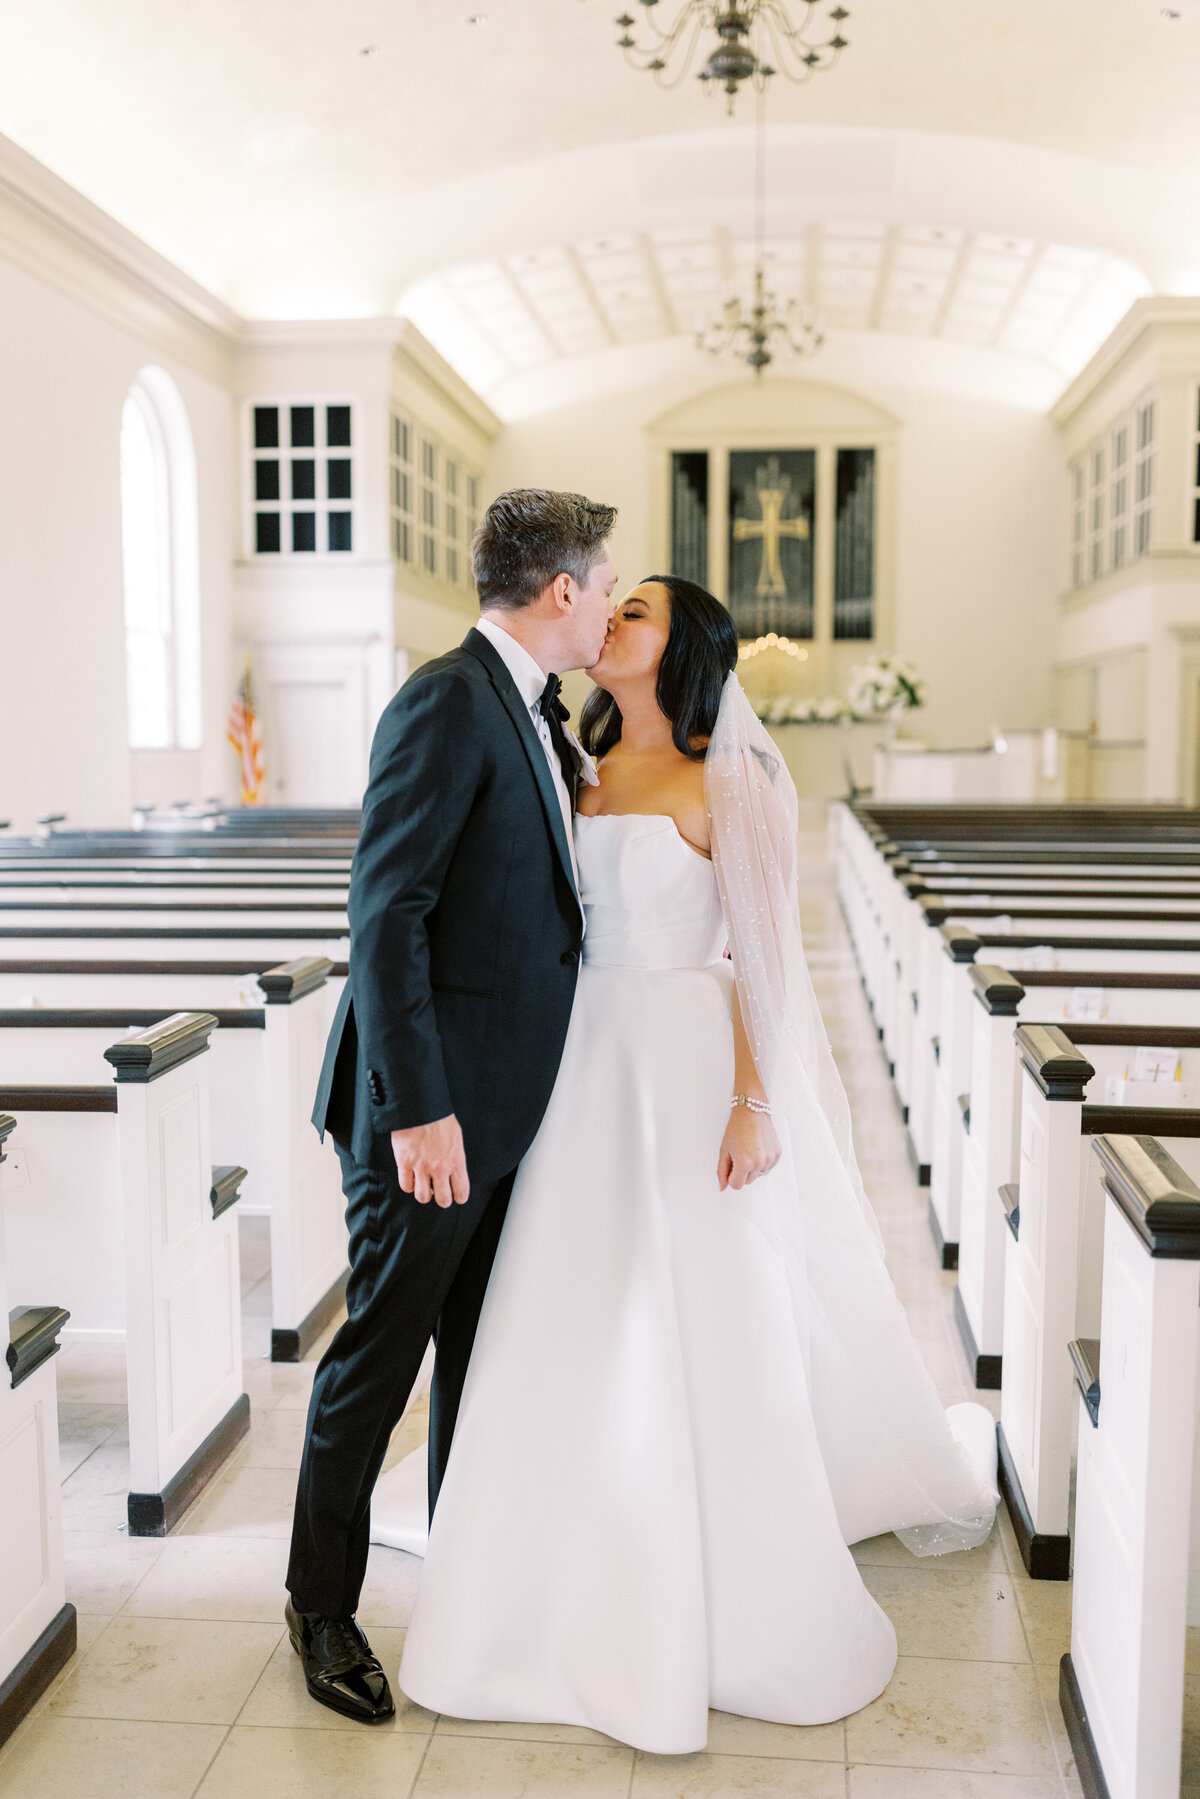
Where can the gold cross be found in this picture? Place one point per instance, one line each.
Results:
(772, 489)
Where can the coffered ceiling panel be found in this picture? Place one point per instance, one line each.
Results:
(1054, 303)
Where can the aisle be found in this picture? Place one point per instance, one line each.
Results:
(185, 1682)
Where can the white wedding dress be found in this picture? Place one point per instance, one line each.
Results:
(655, 1473)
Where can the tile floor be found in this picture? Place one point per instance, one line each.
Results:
(185, 1683)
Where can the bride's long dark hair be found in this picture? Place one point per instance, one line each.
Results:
(701, 649)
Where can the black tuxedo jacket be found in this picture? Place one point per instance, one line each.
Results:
(465, 926)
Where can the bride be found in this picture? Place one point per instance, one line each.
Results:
(692, 1384)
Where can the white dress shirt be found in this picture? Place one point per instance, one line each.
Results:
(530, 681)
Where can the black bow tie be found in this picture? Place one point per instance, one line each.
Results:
(549, 704)
(555, 713)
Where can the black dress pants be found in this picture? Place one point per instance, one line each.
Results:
(416, 1271)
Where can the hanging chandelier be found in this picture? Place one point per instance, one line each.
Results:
(755, 40)
(756, 334)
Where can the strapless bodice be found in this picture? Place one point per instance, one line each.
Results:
(651, 901)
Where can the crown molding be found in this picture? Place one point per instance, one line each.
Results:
(51, 231)
(1129, 336)
(415, 348)
(57, 235)
(320, 334)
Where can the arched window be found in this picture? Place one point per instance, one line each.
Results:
(159, 535)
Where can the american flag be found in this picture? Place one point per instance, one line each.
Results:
(245, 734)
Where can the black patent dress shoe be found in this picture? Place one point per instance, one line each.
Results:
(339, 1668)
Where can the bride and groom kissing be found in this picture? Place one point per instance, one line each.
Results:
(594, 1144)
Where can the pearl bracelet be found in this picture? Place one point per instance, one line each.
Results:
(752, 1105)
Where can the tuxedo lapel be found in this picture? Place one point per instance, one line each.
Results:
(478, 646)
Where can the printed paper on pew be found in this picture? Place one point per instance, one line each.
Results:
(1152, 1079)
(1085, 1003)
(1039, 955)
(1155, 1065)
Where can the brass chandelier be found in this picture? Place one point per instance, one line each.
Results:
(758, 333)
(755, 40)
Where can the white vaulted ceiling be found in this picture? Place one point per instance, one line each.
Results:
(1054, 302)
(994, 177)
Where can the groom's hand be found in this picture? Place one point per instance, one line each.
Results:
(431, 1163)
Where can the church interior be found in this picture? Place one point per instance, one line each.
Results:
(882, 324)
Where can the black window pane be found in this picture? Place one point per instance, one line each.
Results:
(1196, 525)
(337, 427)
(266, 532)
(1198, 465)
(689, 515)
(266, 427)
(339, 531)
(266, 480)
(304, 428)
(854, 546)
(304, 530)
(339, 478)
(304, 480)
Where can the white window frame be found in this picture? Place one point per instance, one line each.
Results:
(402, 487)
(321, 454)
(1145, 419)
(1097, 508)
(1120, 483)
(444, 494)
(1078, 477)
(160, 408)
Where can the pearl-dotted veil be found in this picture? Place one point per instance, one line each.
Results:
(877, 1412)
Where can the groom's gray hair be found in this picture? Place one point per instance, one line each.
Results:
(530, 535)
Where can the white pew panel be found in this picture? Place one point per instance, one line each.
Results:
(1122, 1684)
(1052, 1280)
(37, 1624)
(140, 1195)
(989, 1156)
(263, 1080)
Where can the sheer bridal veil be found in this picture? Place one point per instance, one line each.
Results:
(896, 1460)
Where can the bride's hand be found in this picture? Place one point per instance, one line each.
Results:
(750, 1147)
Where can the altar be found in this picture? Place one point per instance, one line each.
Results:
(819, 755)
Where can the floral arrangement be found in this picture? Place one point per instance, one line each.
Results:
(881, 689)
(885, 688)
(791, 709)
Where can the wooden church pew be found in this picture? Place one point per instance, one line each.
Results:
(1134, 1008)
(174, 905)
(941, 1069)
(1052, 1281)
(910, 1004)
(206, 983)
(1121, 1685)
(876, 936)
(264, 1065)
(37, 1625)
(141, 883)
(113, 1207)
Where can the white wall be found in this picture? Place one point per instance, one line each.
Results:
(64, 373)
(979, 505)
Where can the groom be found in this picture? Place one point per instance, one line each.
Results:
(465, 936)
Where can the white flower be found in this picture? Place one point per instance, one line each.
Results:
(885, 688)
